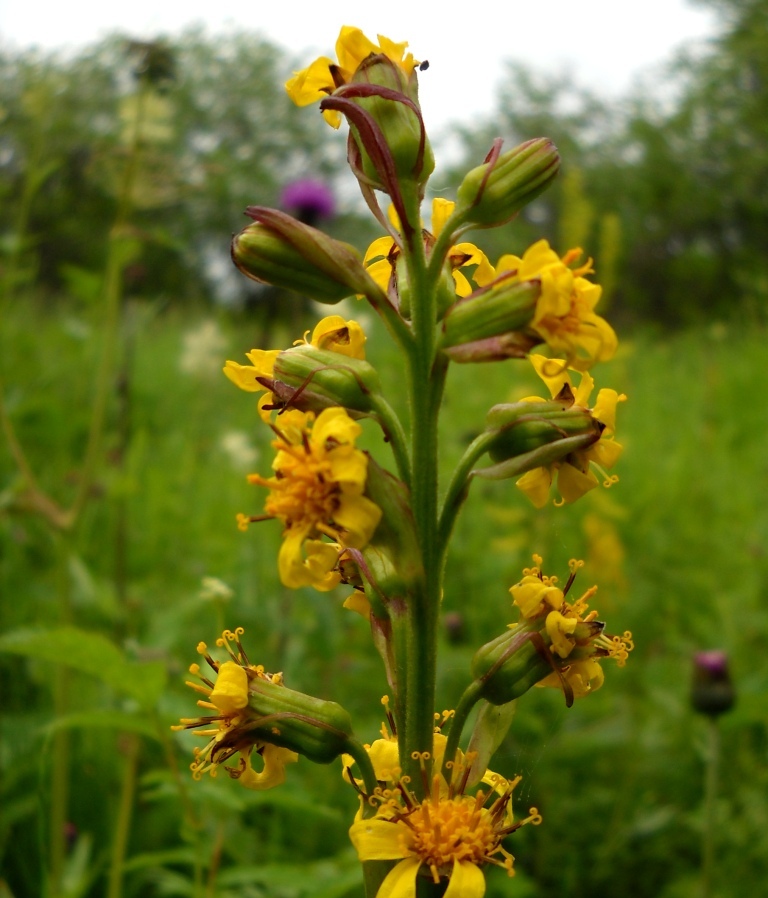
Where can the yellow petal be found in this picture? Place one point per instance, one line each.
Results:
(273, 771)
(358, 602)
(559, 628)
(467, 881)
(337, 335)
(554, 372)
(359, 517)
(244, 376)
(230, 693)
(573, 483)
(378, 840)
(352, 47)
(442, 210)
(535, 484)
(381, 247)
(605, 408)
(310, 85)
(385, 759)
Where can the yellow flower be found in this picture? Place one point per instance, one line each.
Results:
(381, 257)
(564, 316)
(323, 76)
(576, 638)
(317, 491)
(331, 333)
(449, 835)
(574, 473)
(228, 698)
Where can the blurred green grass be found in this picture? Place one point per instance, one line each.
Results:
(677, 548)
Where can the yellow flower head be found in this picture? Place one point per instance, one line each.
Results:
(574, 473)
(381, 257)
(331, 333)
(317, 491)
(564, 317)
(576, 638)
(323, 76)
(227, 729)
(449, 834)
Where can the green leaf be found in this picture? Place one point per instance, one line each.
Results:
(493, 723)
(90, 653)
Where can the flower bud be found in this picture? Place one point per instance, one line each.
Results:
(712, 691)
(281, 251)
(501, 308)
(318, 378)
(317, 729)
(393, 104)
(508, 666)
(529, 435)
(495, 191)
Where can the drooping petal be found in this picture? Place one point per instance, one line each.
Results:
(467, 881)
(273, 771)
(573, 483)
(536, 484)
(401, 882)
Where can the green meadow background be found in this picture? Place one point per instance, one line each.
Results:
(100, 622)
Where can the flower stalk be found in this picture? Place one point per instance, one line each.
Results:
(348, 519)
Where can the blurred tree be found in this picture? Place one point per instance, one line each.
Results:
(218, 136)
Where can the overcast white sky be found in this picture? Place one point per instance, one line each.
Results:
(605, 43)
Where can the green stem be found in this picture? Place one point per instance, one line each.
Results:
(354, 748)
(62, 742)
(459, 487)
(124, 815)
(395, 435)
(710, 808)
(374, 874)
(466, 703)
(427, 373)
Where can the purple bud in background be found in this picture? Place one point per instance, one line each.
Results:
(308, 200)
(712, 692)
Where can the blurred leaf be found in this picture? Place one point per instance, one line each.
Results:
(160, 858)
(492, 725)
(114, 720)
(93, 654)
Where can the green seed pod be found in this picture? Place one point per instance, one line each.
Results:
(281, 251)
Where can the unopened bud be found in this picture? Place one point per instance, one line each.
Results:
(317, 378)
(529, 435)
(495, 191)
(712, 691)
(281, 251)
(505, 306)
(508, 666)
